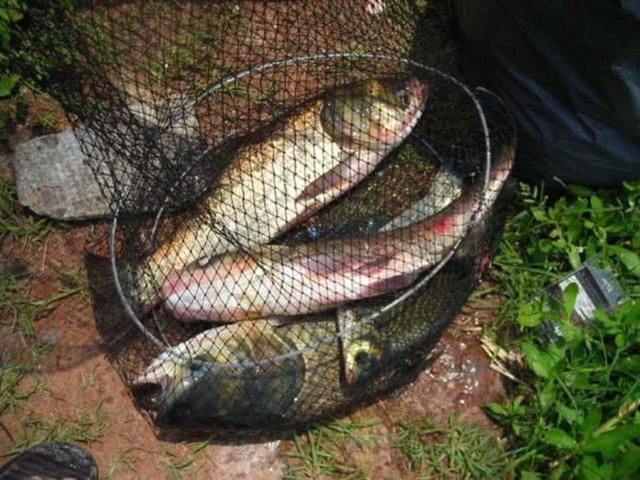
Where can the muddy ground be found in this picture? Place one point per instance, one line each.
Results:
(74, 380)
(75, 393)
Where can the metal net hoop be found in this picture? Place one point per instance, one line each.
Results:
(162, 343)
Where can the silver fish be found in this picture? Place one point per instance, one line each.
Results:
(317, 155)
(274, 280)
(361, 354)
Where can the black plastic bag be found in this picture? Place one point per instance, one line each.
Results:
(570, 74)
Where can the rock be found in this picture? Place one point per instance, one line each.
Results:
(49, 337)
(52, 179)
(249, 461)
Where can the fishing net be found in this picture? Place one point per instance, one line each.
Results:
(302, 197)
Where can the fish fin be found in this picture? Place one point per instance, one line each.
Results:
(338, 178)
(306, 213)
(392, 284)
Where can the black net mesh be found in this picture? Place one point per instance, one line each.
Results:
(301, 204)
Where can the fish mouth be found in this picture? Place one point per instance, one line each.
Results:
(151, 393)
(155, 386)
(419, 90)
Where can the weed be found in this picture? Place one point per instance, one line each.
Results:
(72, 280)
(85, 427)
(19, 310)
(122, 463)
(46, 122)
(323, 451)
(541, 243)
(455, 451)
(13, 369)
(14, 222)
(87, 380)
(175, 466)
(574, 410)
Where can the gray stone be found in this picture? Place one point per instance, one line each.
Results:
(250, 462)
(52, 179)
(49, 337)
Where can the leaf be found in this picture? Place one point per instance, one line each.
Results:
(497, 409)
(596, 202)
(547, 396)
(591, 421)
(560, 439)
(7, 83)
(629, 259)
(539, 362)
(590, 470)
(572, 334)
(629, 364)
(629, 464)
(607, 444)
(574, 257)
(527, 475)
(529, 315)
(539, 214)
(569, 295)
(580, 191)
(571, 415)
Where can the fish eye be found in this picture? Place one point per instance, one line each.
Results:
(402, 96)
(365, 364)
(199, 367)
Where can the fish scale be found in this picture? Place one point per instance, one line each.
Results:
(307, 368)
(272, 185)
(317, 276)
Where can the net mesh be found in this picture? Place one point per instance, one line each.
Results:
(302, 195)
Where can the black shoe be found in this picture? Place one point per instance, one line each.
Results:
(51, 461)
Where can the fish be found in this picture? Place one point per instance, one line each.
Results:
(263, 371)
(444, 189)
(270, 371)
(361, 355)
(282, 280)
(317, 154)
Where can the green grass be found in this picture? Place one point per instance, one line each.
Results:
(14, 368)
(452, 451)
(14, 223)
(544, 242)
(323, 451)
(19, 310)
(85, 427)
(122, 464)
(46, 122)
(429, 451)
(574, 409)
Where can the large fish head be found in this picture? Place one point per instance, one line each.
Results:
(225, 289)
(171, 383)
(362, 359)
(375, 114)
(222, 377)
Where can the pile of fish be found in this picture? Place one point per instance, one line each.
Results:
(229, 269)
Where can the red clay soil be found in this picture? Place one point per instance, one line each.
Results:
(78, 376)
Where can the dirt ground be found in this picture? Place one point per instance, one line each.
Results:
(76, 376)
(76, 387)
